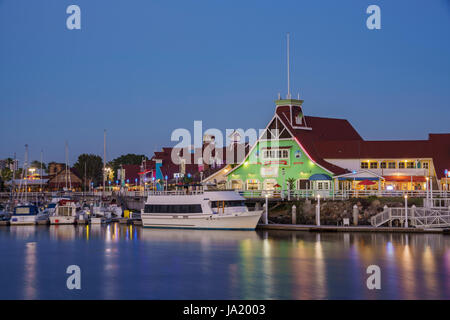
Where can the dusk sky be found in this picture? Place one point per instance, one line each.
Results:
(142, 68)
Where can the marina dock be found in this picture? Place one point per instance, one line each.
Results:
(313, 228)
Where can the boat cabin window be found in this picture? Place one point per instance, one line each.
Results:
(234, 203)
(25, 210)
(65, 211)
(173, 208)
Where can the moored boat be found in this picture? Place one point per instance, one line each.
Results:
(199, 210)
(27, 214)
(65, 213)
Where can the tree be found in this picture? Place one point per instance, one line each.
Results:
(37, 164)
(126, 159)
(291, 183)
(94, 168)
(6, 174)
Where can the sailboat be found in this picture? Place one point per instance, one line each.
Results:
(25, 212)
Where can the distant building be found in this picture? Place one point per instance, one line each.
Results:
(62, 180)
(14, 165)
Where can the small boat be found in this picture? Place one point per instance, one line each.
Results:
(99, 220)
(65, 213)
(199, 210)
(27, 214)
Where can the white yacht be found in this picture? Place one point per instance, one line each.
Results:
(198, 210)
(65, 213)
(27, 214)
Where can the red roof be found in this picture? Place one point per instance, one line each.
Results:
(131, 172)
(440, 149)
(374, 149)
(436, 147)
(323, 129)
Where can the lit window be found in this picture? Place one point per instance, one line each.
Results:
(425, 165)
(391, 165)
(364, 165)
(383, 165)
(411, 165)
(276, 154)
(373, 165)
(401, 165)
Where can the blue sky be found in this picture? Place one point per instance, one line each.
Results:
(142, 68)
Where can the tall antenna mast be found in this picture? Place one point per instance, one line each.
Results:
(288, 68)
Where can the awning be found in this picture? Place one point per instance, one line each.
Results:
(366, 183)
(405, 178)
(319, 176)
(358, 178)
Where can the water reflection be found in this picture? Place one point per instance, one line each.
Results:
(131, 262)
(30, 270)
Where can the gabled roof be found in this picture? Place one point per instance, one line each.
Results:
(322, 129)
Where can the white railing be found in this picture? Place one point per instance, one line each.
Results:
(431, 218)
(440, 198)
(419, 217)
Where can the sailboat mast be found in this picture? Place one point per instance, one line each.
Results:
(104, 160)
(66, 165)
(25, 171)
(42, 151)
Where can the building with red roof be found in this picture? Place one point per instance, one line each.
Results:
(324, 154)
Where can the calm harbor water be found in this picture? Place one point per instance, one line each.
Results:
(126, 262)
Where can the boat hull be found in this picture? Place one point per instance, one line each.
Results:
(62, 220)
(242, 221)
(23, 220)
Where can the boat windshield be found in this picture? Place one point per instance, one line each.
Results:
(173, 208)
(51, 205)
(29, 210)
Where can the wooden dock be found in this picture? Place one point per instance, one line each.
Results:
(313, 228)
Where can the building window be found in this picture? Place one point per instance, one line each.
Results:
(410, 165)
(391, 165)
(383, 165)
(364, 165)
(323, 185)
(374, 165)
(276, 154)
(252, 184)
(401, 165)
(425, 165)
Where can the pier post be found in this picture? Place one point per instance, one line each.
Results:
(413, 213)
(294, 214)
(406, 211)
(266, 211)
(318, 211)
(355, 215)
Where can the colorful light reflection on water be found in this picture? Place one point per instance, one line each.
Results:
(126, 262)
